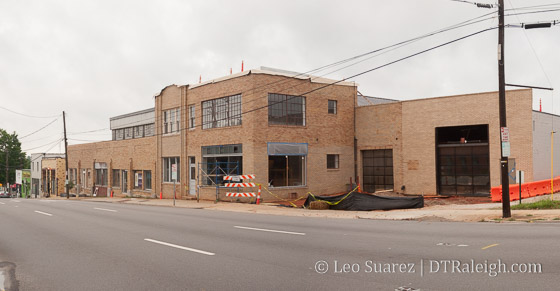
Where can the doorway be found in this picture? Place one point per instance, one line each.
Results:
(463, 166)
(377, 170)
(124, 181)
(192, 176)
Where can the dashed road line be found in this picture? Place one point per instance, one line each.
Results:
(269, 230)
(16, 201)
(179, 247)
(489, 246)
(44, 213)
(105, 209)
(2, 203)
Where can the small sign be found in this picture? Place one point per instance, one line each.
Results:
(174, 172)
(505, 149)
(505, 134)
(19, 175)
(235, 179)
(520, 177)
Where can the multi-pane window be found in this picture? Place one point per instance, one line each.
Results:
(219, 161)
(377, 170)
(128, 134)
(147, 180)
(101, 177)
(133, 132)
(118, 134)
(167, 168)
(286, 109)
(116, 181)
(139, 131)
(171, 120)
(332, 161)
(332, 107)
(192, 116)
(221, 112)
(149, 129)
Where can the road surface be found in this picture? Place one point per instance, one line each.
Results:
(79, 245)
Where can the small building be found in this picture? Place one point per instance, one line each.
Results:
(47, 174)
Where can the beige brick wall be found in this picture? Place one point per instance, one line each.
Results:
(380, 127)
(59, 165)
(324, 133)
(130, 155)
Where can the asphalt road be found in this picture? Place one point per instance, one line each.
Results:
(78, 245)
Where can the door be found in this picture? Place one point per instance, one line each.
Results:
(192, 176)
(377, 170)
(124, 181)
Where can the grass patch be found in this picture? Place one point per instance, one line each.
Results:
(529, 214)
(556, 218)
(511, 219)
(543, 204)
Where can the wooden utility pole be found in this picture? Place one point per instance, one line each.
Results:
(65, 156)
(506, 210)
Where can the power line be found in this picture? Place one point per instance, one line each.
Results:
(50, 143)
(38, 129)
(26, 115)
(255, 90)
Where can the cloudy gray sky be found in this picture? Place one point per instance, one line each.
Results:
(98, 59)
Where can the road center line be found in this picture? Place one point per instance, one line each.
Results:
(104, 209)
(487, 247)
(44, 213)
(179, 247)
(270, 230)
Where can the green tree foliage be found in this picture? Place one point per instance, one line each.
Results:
(10, 147)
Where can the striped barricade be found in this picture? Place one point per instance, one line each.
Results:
(239, 184)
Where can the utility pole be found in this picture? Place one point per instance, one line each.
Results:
(506, 210)
(65, 155)
(6, 151)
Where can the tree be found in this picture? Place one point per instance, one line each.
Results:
(10, 149)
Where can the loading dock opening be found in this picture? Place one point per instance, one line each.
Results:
(463, 166)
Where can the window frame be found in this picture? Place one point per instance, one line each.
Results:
(192, 116)
(334, 164)
(332, 109)
(286, 110)
(222, 112)
(166, 169)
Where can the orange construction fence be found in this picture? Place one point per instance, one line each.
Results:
(530, 189)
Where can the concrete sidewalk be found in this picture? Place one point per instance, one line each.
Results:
(488, 212)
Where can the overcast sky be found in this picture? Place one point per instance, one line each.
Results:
(98, 59)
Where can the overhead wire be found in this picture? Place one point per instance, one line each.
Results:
(27, 115)
(38, 130)
(392, 47)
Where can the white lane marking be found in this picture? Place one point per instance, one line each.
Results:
(2, 203)
(462, 245)
(44, 213)
(270, 230)
(179, 247)
(104, 209)
(16, 201)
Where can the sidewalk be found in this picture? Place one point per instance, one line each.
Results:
(488, 212)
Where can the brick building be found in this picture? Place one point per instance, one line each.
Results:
(297, 134)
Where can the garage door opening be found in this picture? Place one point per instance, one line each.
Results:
(377, 170)
(463, 166)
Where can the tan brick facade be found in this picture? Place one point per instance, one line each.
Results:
(125, 155)
(411, 133)
(408, 128)
(323, 133)
(59, 167)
